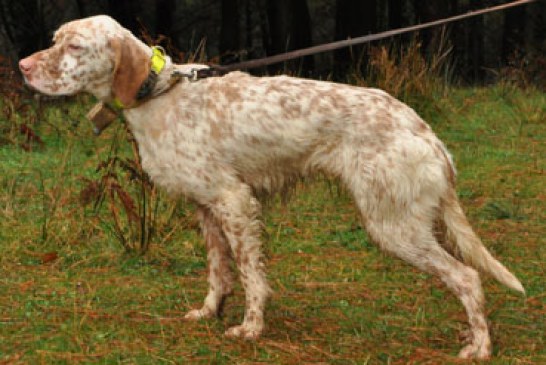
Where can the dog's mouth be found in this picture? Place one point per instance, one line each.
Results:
(30, 85)
(37, 85)
(27, 84)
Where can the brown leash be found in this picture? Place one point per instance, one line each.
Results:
(216, 70)
(102, 115)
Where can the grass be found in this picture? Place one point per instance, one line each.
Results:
(70, 293)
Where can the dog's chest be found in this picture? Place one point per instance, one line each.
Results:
(175, 156)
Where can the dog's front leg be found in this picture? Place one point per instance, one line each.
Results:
(239, 211)
(220, 276)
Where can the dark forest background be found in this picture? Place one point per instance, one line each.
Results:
(231, 30)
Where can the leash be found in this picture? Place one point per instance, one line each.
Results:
(218, 70)
(102, 115)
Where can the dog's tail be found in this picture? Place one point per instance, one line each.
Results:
(468, 245)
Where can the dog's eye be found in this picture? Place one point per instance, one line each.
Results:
(74, 47)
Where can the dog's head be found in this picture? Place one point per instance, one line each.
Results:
(95, 55)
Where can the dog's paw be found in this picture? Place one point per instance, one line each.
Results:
(475, 351)
(243, 331)
(197, 314)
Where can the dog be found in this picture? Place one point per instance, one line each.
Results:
(224, 141)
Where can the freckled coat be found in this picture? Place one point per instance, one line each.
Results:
(265, 131)
(223, 140)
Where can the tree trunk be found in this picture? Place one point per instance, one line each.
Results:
(476, 49)
(126, 13)
(289, 29)
(513, 42)
(249, 38)
(229, 31)
(354, 18)
(23, 24)
(427, 11)
(89, 7)
(396, 13)
(81, 8)
(164, 11)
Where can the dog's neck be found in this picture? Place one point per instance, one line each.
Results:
(158, 81)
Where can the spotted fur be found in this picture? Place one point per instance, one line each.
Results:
(221, 141)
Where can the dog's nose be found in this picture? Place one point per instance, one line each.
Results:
(26, 65)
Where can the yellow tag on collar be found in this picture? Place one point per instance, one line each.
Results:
(117, 104)
(158, 59)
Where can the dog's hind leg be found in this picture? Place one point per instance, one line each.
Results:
(411, 238)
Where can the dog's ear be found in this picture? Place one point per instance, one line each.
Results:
(131, 68)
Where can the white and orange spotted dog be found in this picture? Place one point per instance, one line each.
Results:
(222, 140)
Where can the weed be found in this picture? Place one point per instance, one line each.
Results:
(136, 228)
(406, 74)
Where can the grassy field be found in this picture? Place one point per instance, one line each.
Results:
(70, 293)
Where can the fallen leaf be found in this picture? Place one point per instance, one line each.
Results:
(49, 257)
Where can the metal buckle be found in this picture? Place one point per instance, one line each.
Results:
(195, 74)
(192, 76)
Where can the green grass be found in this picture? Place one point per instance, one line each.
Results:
(69, 293)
